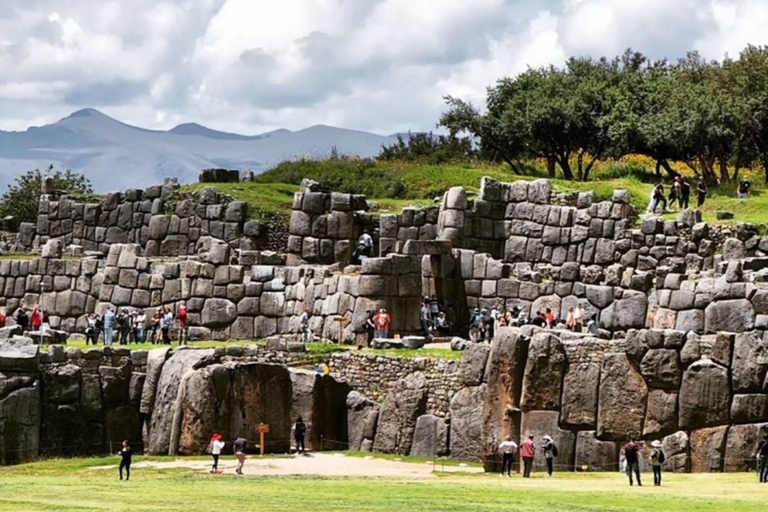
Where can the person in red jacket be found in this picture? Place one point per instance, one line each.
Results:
(382, 320)
(527, 452)
(183, 329)
(36, 320)
(2, 318)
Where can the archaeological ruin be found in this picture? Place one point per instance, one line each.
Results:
(681, 354)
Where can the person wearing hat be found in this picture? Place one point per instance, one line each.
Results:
(214, 448)
(657, 459)
(550, 452)
(527, 452)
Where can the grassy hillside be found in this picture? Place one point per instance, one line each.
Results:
(397, 184)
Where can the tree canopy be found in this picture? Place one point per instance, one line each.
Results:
(22, 198)
(713, 116)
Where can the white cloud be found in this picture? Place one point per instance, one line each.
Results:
(383, 65)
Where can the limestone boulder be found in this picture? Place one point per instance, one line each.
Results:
(749, 408)
(622, 399)
(466, 431)
(114, 385)
(61, 385)
(593, 454)
(704, 397)
(204, 395)
(544, 370)
(430, 438)
(708, 449)
(580, 395)
(405, 402)
(541, 423)
(19, 354)
(362, 417)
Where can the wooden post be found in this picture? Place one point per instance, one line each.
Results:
(262, 428)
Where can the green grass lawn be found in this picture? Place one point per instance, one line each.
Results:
(74, 485)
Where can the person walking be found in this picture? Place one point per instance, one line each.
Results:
(701, 190)
(570, 319)
(475, 325)
(762, 460)
(240, 444)
(527, 453)
(123, 326)
(299, 431)
(685, 192)
(674, 192)
(657, 459)
(109, 326)
(658, 197)
(382, 321)
(578, 318)
(631, 457)
(214, 448)
(126, 454)
(550, 452)
(507, 448)
(181, 313)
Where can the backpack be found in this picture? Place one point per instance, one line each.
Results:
(554, 449)
(660, 457)
(300, 429)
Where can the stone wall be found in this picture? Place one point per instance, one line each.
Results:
(411, 224)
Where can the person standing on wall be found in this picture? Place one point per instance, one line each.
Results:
(657, 459)
(181, 312)
(550, 452)
(507, 448)
(632, 459)
(527, 453)
(382, 321)
(701, 190)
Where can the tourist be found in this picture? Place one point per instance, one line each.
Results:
(570, 319)
(91, 333)
(239, 445)
(36, 320)
(425, 318)
(657, 459)
(441, 325)
(214, 448)
(306, 332)
(509, 317)
(744, 186)
(475, 325)
(299, 431)
(632, 460)
(123, 322)
(165, 326)
(762, 460)
(181, 312)
(550, 318)
(527, 453)
(364, 246)
(550, 452)
(22, 319)
(322, 369)
(434, 306)
(2, 317)
(701, 189)
(507, 448)
(495, 314)
(592, 326)
(578, 318)
(685, 192)
(370, 327)
(156, 321)
(658, 197)
(109, 326)
(674, 192)
(382, 321)
(140, 327)
(125, 454)
(486, 331)
(539, 320)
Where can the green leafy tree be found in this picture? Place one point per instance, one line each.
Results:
(428, 148)
(22, 198)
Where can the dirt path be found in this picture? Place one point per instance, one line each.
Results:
(318, 464)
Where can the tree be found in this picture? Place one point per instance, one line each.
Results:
(749, 79)
(22, 198)
(426, 147)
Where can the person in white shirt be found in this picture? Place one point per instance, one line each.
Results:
(507, 448)
(215, 447)
(578, 318)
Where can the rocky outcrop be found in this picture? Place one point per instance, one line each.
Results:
(430, 438)
(362, 417)
(399, 412)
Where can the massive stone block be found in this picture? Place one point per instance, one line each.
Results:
(749, 408)
(406, 401)
(704, 396)
(322, 402)
(595, 455)
(430, 438)
(661, 369)
(750, 363)
(661, 414)
(501, 411)
(362, 417)
(155, 360)
(708, 449)
(735, 315)
(541, 423)
(580, 395)
(622, 399)
(218, 313)
(473, 363)
(740, 446)
(20, 407)
(543, 377)
(626, 313)
(466, 431)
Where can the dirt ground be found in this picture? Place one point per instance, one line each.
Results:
(317, 464)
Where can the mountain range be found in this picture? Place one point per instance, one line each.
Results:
(115, 155)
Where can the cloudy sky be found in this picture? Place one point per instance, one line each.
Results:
(381, 65)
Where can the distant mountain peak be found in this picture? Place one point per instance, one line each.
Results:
(86, 112)
(204, 131)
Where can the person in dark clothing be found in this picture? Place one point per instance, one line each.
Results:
(125, 462)
(507, 449)
(685, 192)
(299, 431)
(426, 319)
(762, 460)
(701, 190)
(631, 451)
(744, 186)
(370, 326)
(22, 319)
(658, 197)
(240, 444)
(539, 320)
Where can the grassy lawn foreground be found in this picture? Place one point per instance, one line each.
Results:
(59, 485)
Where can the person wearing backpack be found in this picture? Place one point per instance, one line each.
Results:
(550, 452)
(657, 459)
(299, 431)
(633, 463)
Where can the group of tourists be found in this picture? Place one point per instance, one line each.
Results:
(508, 448)
(126, 326)
(679, 191)
(433, 319)
(482, 323)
